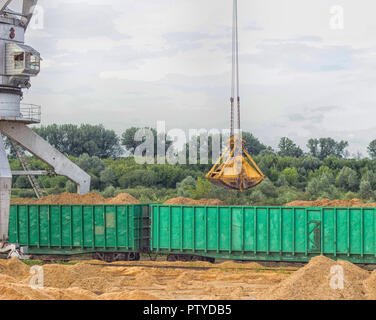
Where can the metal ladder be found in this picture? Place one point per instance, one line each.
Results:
(22, 158)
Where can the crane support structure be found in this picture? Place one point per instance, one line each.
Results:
(40, 148)
(18, 64)
(5, 189)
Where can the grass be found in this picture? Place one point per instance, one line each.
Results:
(31, 263)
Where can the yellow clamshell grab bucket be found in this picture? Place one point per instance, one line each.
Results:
(235, 169)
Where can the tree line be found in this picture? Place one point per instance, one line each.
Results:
(96, 140)
(324, 171)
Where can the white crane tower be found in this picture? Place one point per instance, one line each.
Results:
(18, 63)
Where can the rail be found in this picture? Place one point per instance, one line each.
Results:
(30, 112)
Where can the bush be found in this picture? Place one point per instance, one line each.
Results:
(71, 187)
(365, 190)
(202, 189)
(107, 176)
(290, 196)
(347, 179)
(322, 187)
(109, 192)
(138, 178)
(350, 195)
(26, 194)
(291, 175)
(257, 197)
(183, 188)
(22, 182)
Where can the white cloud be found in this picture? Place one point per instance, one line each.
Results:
(87, 45)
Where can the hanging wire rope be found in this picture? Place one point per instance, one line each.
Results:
(235, 87)
(235, 169)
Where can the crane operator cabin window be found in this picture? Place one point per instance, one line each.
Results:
(32, 63)
(22, 60)
(19, 61)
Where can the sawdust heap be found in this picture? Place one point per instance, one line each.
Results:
(58, 276)
(190, 202)
(87, 270)
(74, 198)
(228, 280)
(370, 286)
(181, 282)
(145, 278)
(134, 295)
(81, 275)
(94, 284)
(16, 291)
(66, 282)
(7, 279)
(312, 282)
(331, 203)
(14, 268)
(70, 294)
(123, 198)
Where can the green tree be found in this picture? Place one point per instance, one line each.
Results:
(268, 189)
(365, 190)
(287, 148)
(107, 177)
(257, 197)
(75, 140)
(139, 177)
(347, 179)
(202, 189)
(253, 144)
(267, 152)
(109, 192)
(22, 182)
(311, 163)
(371, 178)
(70, 187)
(129, 142)
(282, 181)
(92, 165)
(372, 149)
(183, 188)
(291, 175)
(325, 147)
(322, 187)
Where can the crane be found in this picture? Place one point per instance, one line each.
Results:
(18, 64)
(235, 169)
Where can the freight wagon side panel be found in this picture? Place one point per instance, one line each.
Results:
(73, 229)
(265, 233)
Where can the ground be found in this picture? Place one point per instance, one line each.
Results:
(143, 280)
(321, 278)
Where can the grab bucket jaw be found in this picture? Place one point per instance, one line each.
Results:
(235, 169)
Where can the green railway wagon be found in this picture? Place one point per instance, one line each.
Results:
(79, 229)
(265, 233)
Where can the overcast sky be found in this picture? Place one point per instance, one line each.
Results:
(128, 63)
